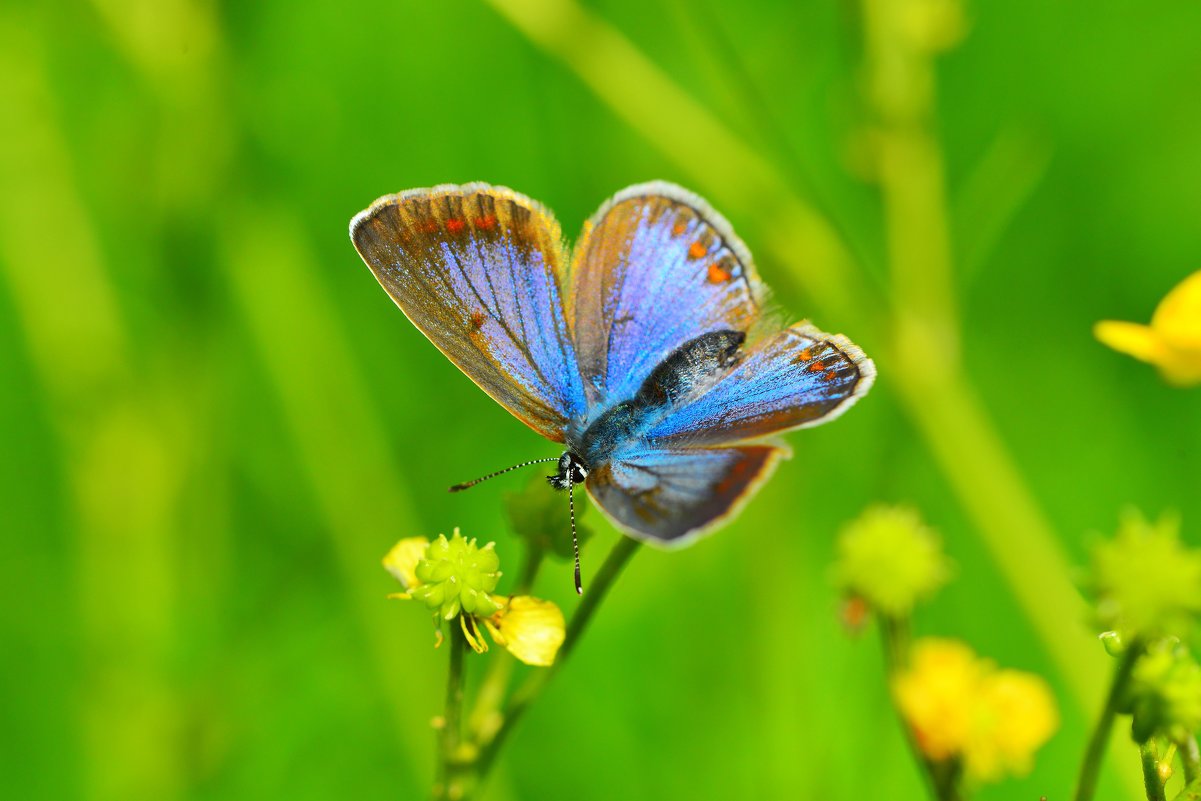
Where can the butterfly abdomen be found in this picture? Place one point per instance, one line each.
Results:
(689, 368)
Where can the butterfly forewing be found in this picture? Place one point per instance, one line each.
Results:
(478, 269)
(655, 267)
(796, 377)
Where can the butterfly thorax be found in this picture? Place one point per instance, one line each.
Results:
(685, 372)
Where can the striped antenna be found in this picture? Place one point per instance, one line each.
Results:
(474, 481)
(575, 543)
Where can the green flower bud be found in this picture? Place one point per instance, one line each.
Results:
(1113, 643)
(1147, 584)
(889, 558)
(539, 515)
(1164, 695)
(458, 575)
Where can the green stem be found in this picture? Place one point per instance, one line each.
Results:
(1086, 786)
(534, 685)
(1190, 758)
(485, 715)
(448, 769)
(1151, 778)
(895, 635)
(942, 778)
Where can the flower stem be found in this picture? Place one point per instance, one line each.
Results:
(1190, 757)
(446, 785)
(942, 778)
(1086, 785)
(485, 717)
(1151, 778)
(528, 692)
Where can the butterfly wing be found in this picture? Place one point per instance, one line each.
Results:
(655, 267)
(478, 269)
(795, 378)
(671, 496)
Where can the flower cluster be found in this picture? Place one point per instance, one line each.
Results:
(1172, 342)
(1164, 695)
(1147, 584)
(890, 559)
(968, 718)
(455, 578)
(962, 708)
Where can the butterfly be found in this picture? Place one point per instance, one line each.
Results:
(652, 359)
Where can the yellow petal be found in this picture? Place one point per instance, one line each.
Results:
(936, 695)
(1135, 340)
(1173, 340)
(402, 560)
(1016, 716)
(1178, 361)
(1178, 318)
(1182, 367)
(532, 629)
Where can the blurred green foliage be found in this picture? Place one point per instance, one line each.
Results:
(215, 423)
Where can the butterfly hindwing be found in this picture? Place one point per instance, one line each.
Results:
(794, 378)
(654, 268)
(670, 496)
(479, 270)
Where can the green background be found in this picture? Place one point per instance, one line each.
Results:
(214, 422)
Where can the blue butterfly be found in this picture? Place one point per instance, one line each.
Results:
(651, 359)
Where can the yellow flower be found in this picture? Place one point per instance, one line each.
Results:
(1173, 340)
(961, 707)
(530, 628)
(402, 560)
(1016, 716)
(937, 696)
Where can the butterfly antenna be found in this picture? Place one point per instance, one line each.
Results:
(474, 481)
(575, 543)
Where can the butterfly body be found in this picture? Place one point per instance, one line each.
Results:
(688, 370)
(646, 359)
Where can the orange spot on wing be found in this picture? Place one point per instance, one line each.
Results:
(817, 366)
(696, 250)
(829, 375)
(455, 225)
(679, 228)
(806, 354)
(486, 223)
(430, 226)
(718, 274)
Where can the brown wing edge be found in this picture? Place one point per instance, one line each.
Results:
(502, 192)
(855, 354)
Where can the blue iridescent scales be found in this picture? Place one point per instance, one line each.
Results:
(648, 359)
